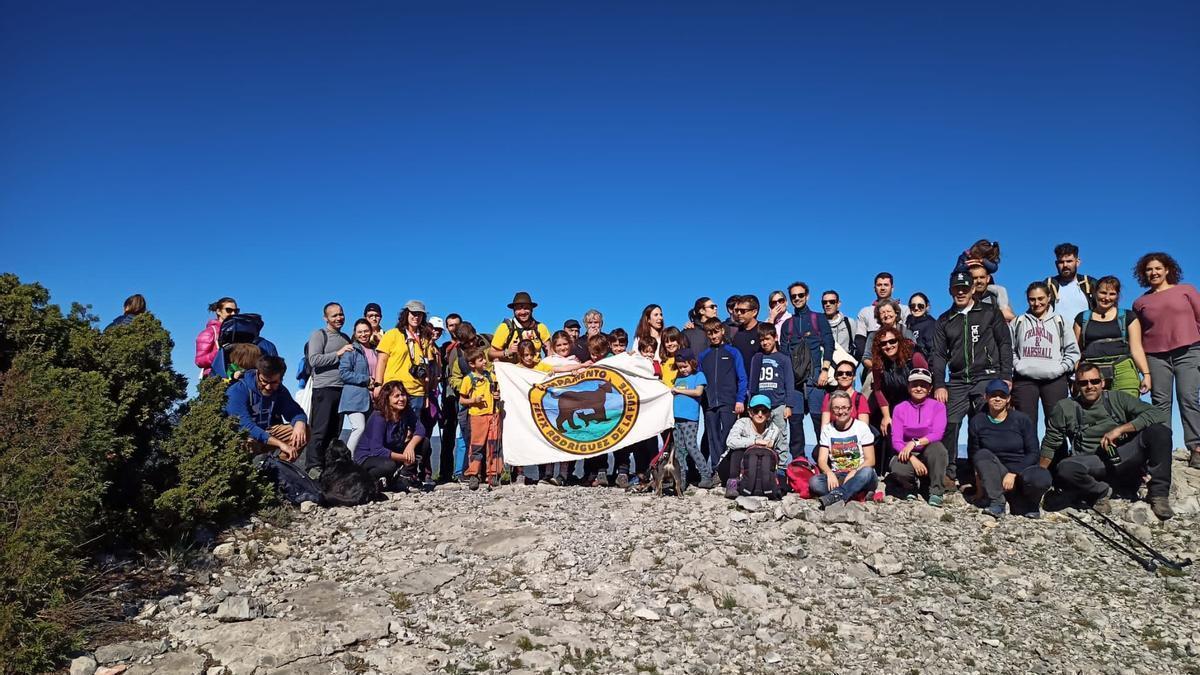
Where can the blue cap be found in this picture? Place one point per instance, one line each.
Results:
(997, 386)
(760, 400)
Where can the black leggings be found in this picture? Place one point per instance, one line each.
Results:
(380, 467)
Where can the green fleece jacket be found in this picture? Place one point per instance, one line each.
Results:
(1063, 422)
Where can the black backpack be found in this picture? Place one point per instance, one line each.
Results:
(758, 473)
(239, 329)
(293, 484)
(802, 364)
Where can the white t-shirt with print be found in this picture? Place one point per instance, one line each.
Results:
(846, 447)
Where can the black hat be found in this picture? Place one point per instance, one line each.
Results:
(522, 298)
(961, 279)
(685, 354)
(570, 323)
(372, 307)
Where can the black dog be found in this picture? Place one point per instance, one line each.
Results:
(344, 483)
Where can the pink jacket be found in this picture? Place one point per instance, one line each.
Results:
(206, 345)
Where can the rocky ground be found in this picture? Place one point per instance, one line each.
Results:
(573, 580)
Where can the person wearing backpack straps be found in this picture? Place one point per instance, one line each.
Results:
(749, 433)
(1114, 440)
(323, 354)
(841, 326)
(810, 330)
(845, 455)
(1044, 354)
(1111, 338)
(860, 408)
(207, 340)
(1070, 291)
(521, 326)
(266, 411)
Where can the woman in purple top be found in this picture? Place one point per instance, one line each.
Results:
(917, 428)
(394, 433)
(1170, 316)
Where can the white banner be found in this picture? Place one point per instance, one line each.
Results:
(596, 409)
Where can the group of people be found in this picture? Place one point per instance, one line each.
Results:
(886, 390)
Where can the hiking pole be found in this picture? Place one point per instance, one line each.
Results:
(1175, 565)
(1146, 563)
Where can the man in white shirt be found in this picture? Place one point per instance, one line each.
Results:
(1070, 292)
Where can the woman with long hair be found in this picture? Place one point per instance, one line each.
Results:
(390, 444)
(893, 358)
(1170, 316)
(1111, 338)
(693, 332)
(358, 386)
(207, 340)
(649, 325)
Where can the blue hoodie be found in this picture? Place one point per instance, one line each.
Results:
(726, 374)
(257, 413)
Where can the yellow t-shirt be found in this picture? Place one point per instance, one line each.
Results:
(669, 371)
(474, 384)
(402, 354)
(543, 367)
(503, 337)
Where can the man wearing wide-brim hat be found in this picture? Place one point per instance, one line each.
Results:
(522, 326)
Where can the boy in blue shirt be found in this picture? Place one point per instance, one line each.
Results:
(725, 394)
(771, 376)
(689, 387)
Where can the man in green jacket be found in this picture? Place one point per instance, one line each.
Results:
(1113, 436)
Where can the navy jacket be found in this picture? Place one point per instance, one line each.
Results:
(810, 329)
(726, 374)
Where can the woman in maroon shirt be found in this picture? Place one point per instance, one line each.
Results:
(1170, 316)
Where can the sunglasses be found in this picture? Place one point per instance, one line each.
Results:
(710, 306)
(1093, 382)
(777, 301)
(845, 373)
(829, 302)
(760, 411)
(889, 342)
(916, 305)
(230, 310)
(799, 296)
(740, 310)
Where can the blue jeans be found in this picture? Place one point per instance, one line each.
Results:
(865, 479)
(460, 443)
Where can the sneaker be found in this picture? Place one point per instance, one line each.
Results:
(1103, 504)
(877, 497)
(994, 510)
(705, 483)
(602, 480)
(622, 480)
(731, 488)
(833, 497)
(1194, 461)
(556, 481)
(1033, 515)
(1161, 506)
(935, 500)
(428, 485)
(910, 497)
(473, 483)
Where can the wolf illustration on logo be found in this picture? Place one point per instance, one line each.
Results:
(572, 403)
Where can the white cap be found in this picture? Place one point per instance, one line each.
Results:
(436, 322)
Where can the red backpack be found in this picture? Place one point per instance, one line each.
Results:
(799, 472)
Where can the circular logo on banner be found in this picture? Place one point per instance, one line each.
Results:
(584, 412)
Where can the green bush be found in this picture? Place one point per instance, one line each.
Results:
(217, 482)
(56, 440)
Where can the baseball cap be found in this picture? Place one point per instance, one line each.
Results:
(415, 306)
(920, 375)
(373, 307)
(961, 279)
(436, 322)
(571, 323)
(997, 386)
(760, 401)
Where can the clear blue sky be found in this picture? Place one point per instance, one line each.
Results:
(288, 154)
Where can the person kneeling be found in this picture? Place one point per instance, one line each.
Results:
(388, 447)
(1113, 437)
(266, 411)
(917, 428)
(1003, 446)
(845, 455)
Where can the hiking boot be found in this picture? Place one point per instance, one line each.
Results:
(995, 510)
(556, 481)
(731, 488)
(428, 485)
(705, 483)
(833, 497)
(1103, 505)
(1194, 462)
(935, 500)
(473, 483)
(1161, 506)
(622, 480)
(949, 483)
(602, 480)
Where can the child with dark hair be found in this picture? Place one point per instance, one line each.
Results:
(689, 387)
(984, 253)
(618, 340)
(771, 376)
(725, 395)
(477, 394)
(672, 341)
